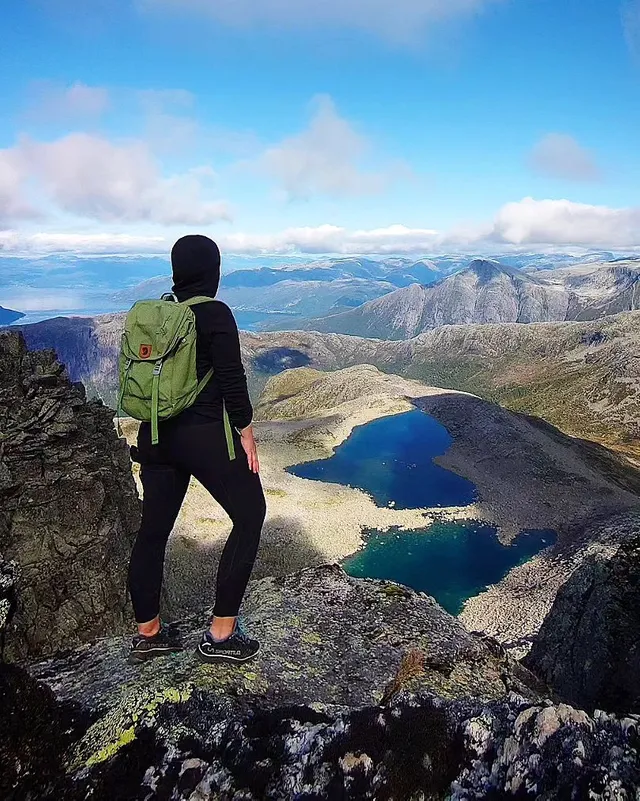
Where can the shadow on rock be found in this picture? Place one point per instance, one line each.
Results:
(192, 564)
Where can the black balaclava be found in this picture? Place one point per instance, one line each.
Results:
(195, 260)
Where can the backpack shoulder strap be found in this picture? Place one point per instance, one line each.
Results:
(197, 300)
(205, 380)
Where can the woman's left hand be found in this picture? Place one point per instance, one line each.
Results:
(250, 448)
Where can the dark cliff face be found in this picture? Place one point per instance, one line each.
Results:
(588, 648)
(69, 506)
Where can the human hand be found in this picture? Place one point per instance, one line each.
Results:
(250, 448)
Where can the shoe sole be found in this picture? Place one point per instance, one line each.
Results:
(135, 658)
(212, 660)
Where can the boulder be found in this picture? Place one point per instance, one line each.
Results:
(69, 508)
(588, 648)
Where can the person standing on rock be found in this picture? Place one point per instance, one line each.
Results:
(196, 443)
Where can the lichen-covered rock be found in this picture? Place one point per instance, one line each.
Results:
(515, 750)
(328, 638)
(588, 648)
(8, 597)
(68, 505)
(363, 690)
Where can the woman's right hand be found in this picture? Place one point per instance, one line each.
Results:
(250, 448)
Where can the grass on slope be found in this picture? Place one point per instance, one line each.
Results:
(561, 393)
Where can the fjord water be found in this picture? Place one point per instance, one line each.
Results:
(450, 561)
(392, 460)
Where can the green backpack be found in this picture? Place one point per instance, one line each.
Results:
(158, 377)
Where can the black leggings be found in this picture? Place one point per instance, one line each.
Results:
(198, 450)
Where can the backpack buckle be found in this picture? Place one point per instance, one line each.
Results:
(158, 368)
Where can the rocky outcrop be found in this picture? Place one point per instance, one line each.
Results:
(599, 289)
(8, 597)
(589, 645)
(363, 690)
(68, 505)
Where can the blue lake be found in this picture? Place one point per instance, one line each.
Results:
(392, 460)
(450, 561)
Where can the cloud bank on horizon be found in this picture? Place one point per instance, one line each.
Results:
(295, 126)
(527, 224)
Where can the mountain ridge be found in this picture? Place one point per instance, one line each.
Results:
(485, 292)
(583, 377)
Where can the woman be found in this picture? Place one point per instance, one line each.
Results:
(194, 444)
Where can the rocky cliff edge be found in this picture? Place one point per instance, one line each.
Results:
(364, 690)
(69, 508)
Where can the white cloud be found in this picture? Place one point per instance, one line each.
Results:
(561, 156)
(89, 243)
(13, 201)
(399, 20)
(53, 102)
(334, 239)
(529, 223)
(324, 159)
(561, 222)
(90, 176)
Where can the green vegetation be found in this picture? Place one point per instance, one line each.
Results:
(126, 737)
(275, 493)
(560, 392)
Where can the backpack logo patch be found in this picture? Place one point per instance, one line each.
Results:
(145, 351)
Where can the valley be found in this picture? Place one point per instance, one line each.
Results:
(582, 377)
(527, 478)
(544, 418)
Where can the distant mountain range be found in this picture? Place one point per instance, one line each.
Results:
(310, 298)
(255, 286)
(398, 272)
(390, 274)
(8, 316)
(397, 298)
(598, 289)
(485, 292)
(492, 292)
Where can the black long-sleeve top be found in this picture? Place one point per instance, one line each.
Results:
(218, 346)
(195, 260)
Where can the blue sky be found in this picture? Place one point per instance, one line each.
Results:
(288, 125)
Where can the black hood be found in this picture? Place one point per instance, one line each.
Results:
(195, 260)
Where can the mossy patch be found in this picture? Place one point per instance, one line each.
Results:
(395, 591)
(127, 736)
(118, 728)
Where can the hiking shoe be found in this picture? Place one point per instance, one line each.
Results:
(238, 648)
(165, 642)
